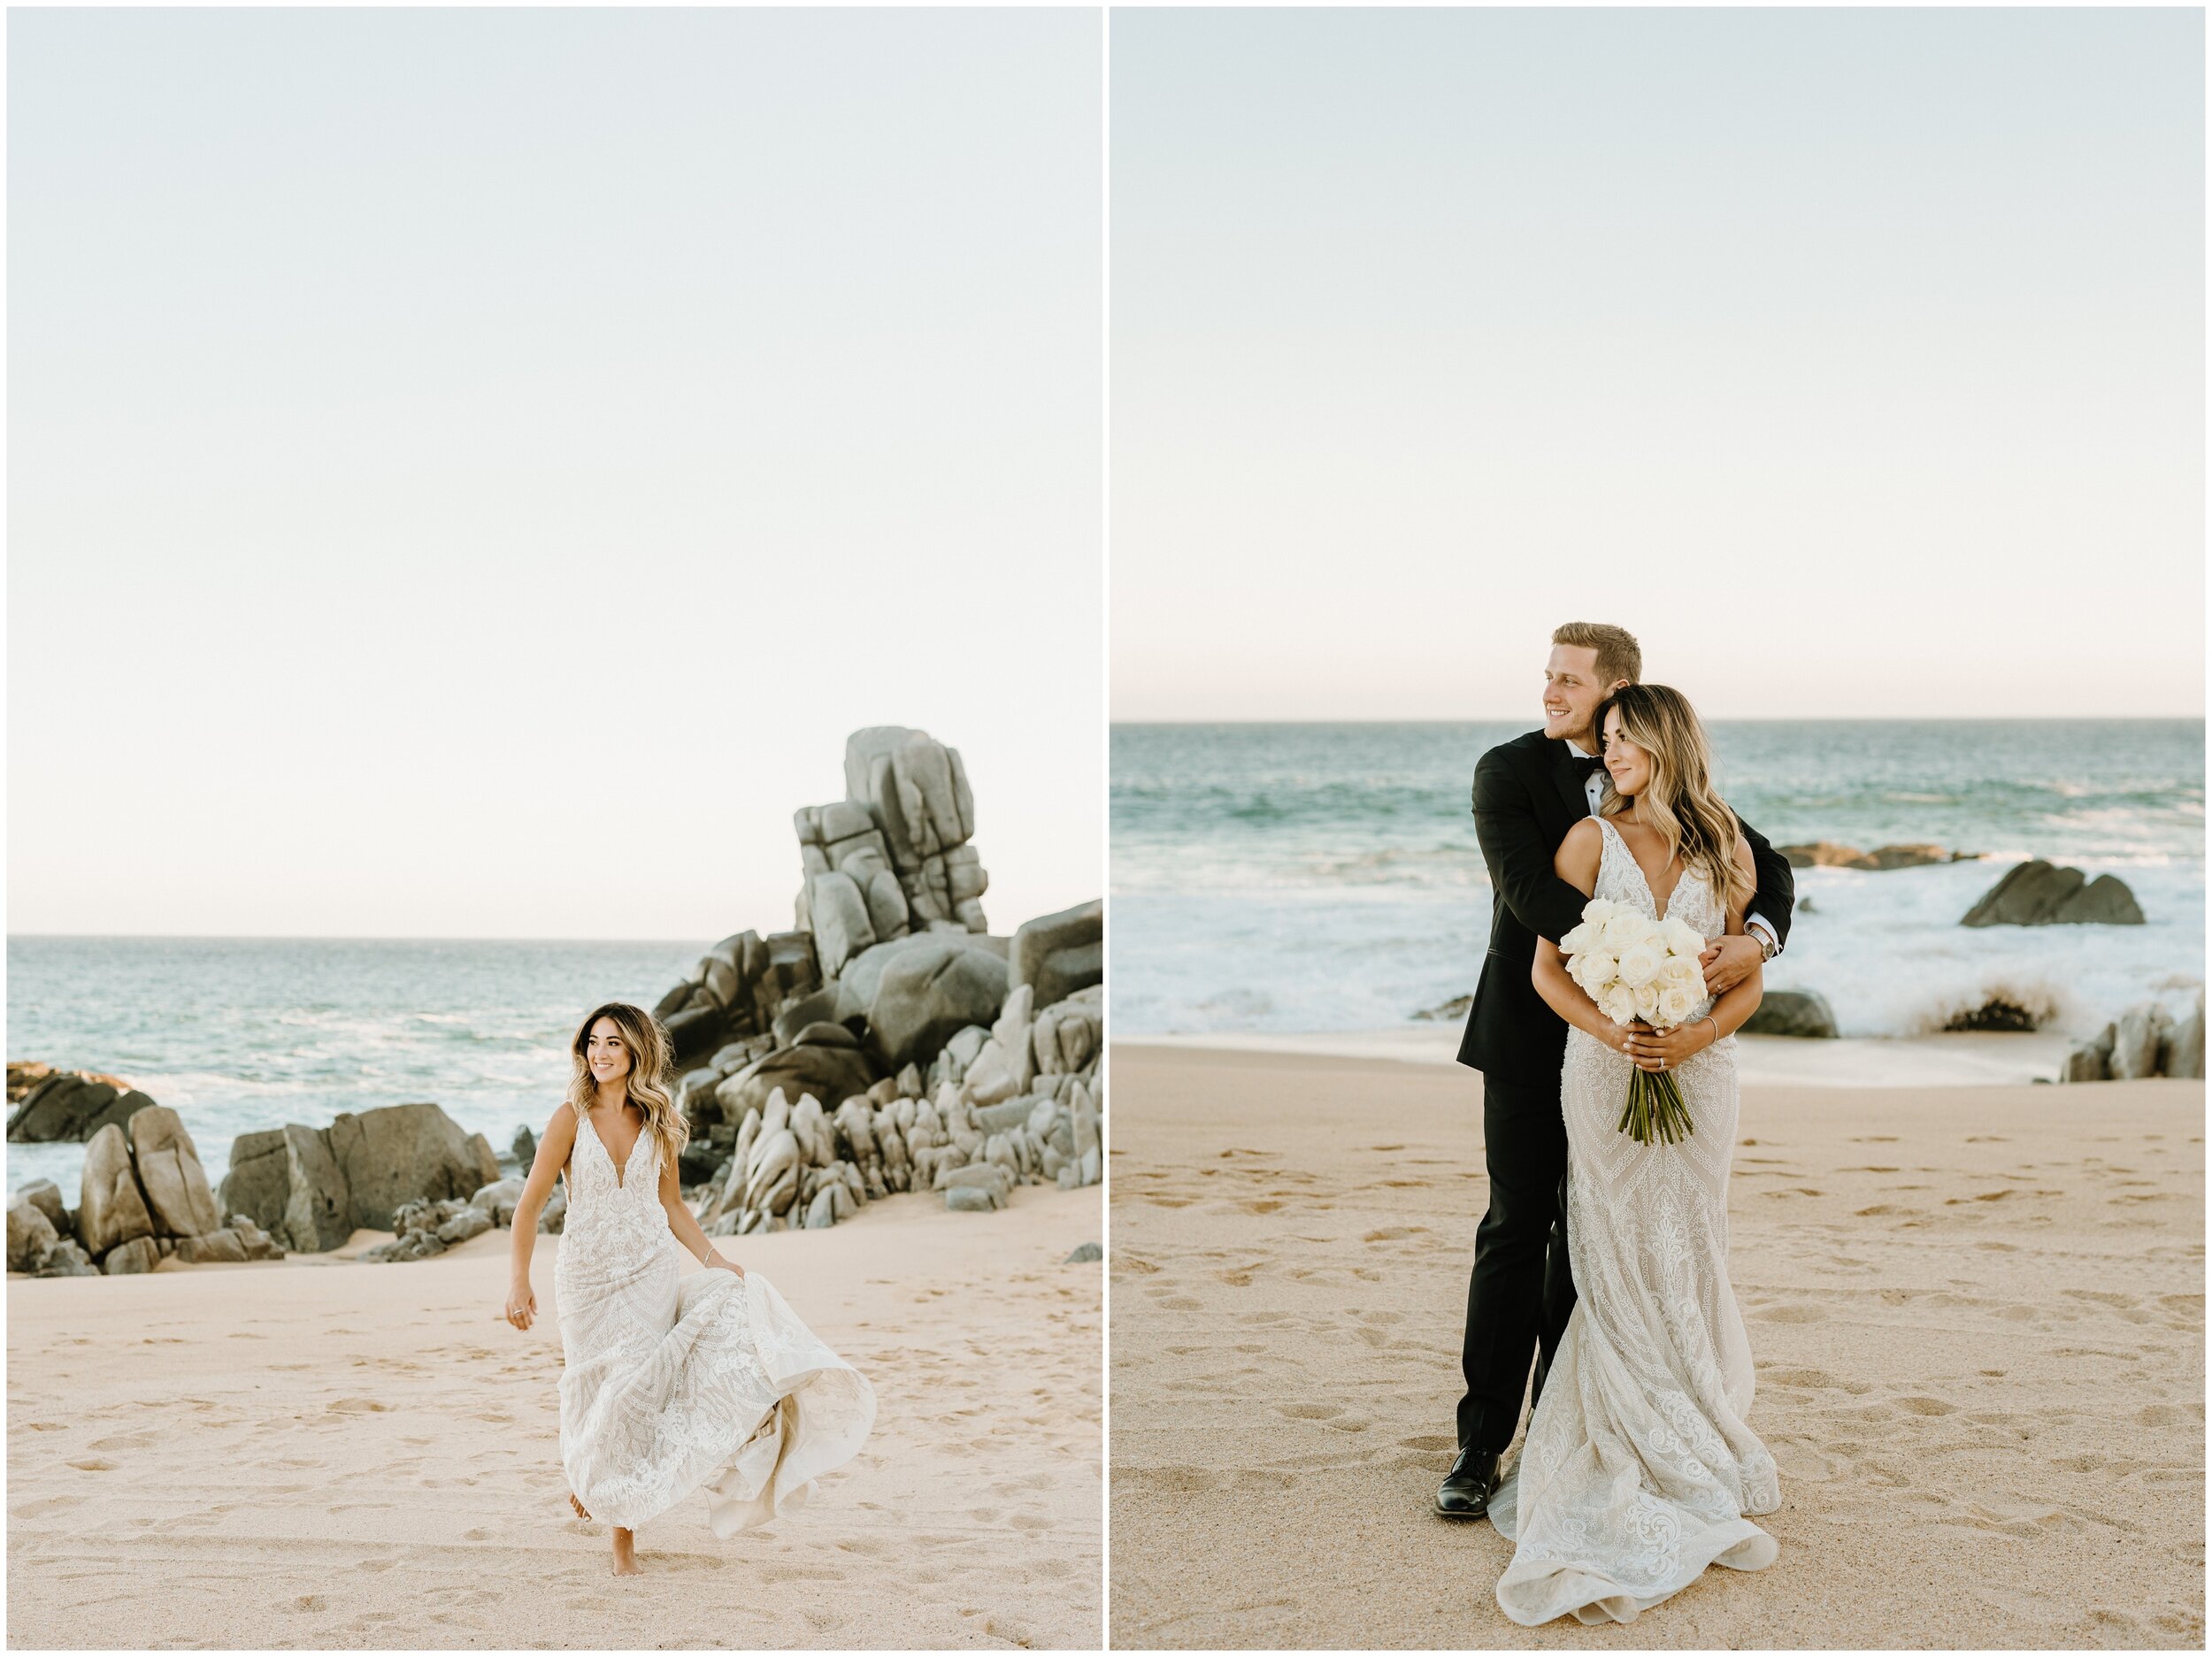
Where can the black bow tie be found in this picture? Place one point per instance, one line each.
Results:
(1585, 768)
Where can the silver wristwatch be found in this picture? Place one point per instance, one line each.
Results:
(1768, 948)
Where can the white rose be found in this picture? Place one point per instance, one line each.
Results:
(1639, 965)
(1599, 910)
(1682, 937)
(1674, 1005)
(1624, 927)
(1682, 972)
(1601, 965)
(1618, 1003)
(1579, 939)
(1647, 1003)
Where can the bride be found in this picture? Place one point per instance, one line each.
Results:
(1639, 1466)
(669, 1384)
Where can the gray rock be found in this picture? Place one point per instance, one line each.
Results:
(471, 1221)
(396, 1154)
(2087, 1062)
(1069, 1034)
(1792, 1013)
(169, 1172)
(68, 1105)
(45, 1196)
(2039, 893)
(498, 1200)
(832, 1074)
(840, 920)
(2186, 1058)
(695, 1029)
(258, 1243)
(2143, 1030)
(287, 1182)
(1002, 1117)
(414, 1246)
(67, 1259)
(992, 1176)
(110, 1210)
(525, 1150)
(138, 1254)
(1084, 1255)
(224, 1247)
(1058, 955)
(926, 991)
(816, 1008)
(973, 1199)
(31, 1235)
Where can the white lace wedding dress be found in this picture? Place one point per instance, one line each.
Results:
(672, 1384)
(1639, 1467)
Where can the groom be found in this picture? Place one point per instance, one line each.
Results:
(1528, 793)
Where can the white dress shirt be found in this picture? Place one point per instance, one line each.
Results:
(1594, 785)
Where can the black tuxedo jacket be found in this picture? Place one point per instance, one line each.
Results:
(1528, 793)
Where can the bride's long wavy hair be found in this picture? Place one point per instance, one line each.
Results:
(652, 1056)
(1679, 800)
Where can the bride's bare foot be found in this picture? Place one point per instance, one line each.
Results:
(579, 1505)
(624, 1553)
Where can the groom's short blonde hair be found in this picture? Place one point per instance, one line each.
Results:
(1619, 655)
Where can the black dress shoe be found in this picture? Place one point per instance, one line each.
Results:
(1466, 1491)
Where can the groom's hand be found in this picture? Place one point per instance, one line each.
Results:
(1728, 962)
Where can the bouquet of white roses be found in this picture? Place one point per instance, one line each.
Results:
(1636, 968)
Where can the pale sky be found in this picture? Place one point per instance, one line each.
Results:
(1853, 358)
(469, 471)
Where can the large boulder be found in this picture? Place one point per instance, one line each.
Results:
(286, 1181)
(169, 1172)
(398, 1153)
(140, 1254)
(69, 1105)
(2140, 1041)
(110, 1210)
(1070, 1034)
(2185, 1057)
(1058, 955)
(2091, 1061)
(221, 1246)
(837, 913)
(31, 1235)
(45, 1196)
(917, 992)
(2040, 893)
(1792, 1013)
(833, 1071)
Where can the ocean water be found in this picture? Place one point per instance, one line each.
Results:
(1317, 877)
(238, 1034)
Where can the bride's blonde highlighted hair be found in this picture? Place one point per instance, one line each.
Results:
(651, 1055)
(1679, 800)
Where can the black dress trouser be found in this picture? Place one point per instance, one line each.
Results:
(1521, 1290)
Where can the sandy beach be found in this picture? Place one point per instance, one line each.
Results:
(1976, 1313)
(319, 1452)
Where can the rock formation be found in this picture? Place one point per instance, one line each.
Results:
(1792, 1013)
(890, 1040)
(311, 1187)
(2038, 893)
(2144, 1041)
(1829, 855)
(143, 1198)
(67, 1104)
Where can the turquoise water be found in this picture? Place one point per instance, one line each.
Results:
(240, 1034)
(1326, 877)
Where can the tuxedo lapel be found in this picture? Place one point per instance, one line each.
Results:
(1569, 776)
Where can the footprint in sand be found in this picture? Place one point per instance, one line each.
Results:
(357, 1406)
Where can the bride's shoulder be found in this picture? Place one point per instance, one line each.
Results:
(1580, 852)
